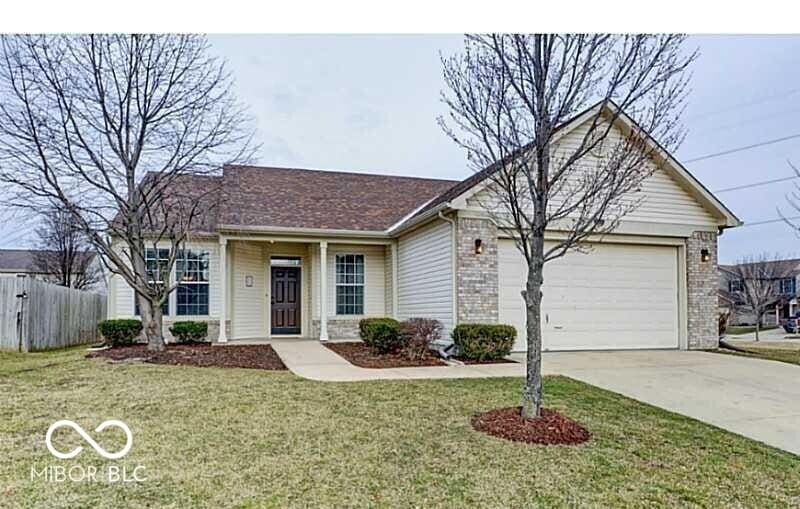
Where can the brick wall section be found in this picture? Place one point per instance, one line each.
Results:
(338, 328)
(701, 289)
(476, 274)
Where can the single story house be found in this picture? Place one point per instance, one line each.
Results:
(295, 253)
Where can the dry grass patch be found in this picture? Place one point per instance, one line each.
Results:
(252, 438)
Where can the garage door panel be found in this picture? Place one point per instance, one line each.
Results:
(616, 296)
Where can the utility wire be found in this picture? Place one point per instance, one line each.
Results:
(742, 149)
(740, 105)
(768, 221)
(756, 184)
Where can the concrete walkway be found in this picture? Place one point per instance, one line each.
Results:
(310, 359)
(755, 398)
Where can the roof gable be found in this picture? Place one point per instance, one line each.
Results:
(459, 194)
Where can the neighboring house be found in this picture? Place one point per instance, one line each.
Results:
(307, 254)
(22, 262)
(730, 283)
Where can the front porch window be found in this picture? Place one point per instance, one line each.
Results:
(191, 268)
(156, 263)
(349, 284)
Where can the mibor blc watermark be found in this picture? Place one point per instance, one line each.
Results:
(106, 472)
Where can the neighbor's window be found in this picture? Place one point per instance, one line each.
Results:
(191, 271)
(349, 284)
(786, 286)
(735, 285)
(157, 265)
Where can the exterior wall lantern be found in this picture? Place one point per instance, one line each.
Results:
(478, 246)
(705, 255)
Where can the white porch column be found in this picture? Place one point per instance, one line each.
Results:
(323, 291)
(395, 291)
(223, 289)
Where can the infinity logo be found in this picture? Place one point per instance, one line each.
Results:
(102, 452)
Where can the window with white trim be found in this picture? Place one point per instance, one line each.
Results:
(191, 296)
(786, 286)
(349, 284)
(156, 264)
(735, 285)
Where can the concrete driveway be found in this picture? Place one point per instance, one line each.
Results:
(755, 398)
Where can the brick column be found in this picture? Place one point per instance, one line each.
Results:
(701, 290)
(476, 274)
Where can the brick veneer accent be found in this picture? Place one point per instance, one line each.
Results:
(701, 290)
(476, 274)
(338, 328)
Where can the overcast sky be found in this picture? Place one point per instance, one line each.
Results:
(369, 103)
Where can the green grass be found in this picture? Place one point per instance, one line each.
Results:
(792, 356)
(248, 438)
(736, 330)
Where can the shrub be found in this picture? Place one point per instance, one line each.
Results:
(120, 332)
(189, 332)
(418, 334)
(381, 334)
(480, 342)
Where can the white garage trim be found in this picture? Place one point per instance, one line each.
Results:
(663, 323)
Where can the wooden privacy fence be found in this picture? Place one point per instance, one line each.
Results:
(39, 316)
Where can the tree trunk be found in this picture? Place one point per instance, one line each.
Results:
(152, 320)
(758, 327)
(532, 392)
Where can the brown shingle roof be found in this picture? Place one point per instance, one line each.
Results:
(22, 260)
(295, 198)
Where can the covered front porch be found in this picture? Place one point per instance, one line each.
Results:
(302, 287)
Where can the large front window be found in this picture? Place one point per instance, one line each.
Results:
(156, 262)
(191, 270)
(349, 284)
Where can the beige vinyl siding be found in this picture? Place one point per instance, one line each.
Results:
(249, 303)
(121, 295)
(374, 279)
(425, 275)
(663, 199)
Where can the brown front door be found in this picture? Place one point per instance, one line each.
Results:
(285, 300)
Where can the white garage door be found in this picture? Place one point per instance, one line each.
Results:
(617, 296)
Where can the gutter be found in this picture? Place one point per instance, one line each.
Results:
(453, 264)
(395, 230)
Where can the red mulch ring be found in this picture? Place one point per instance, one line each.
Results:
(202, 355)
(551, 428)
(359, 354)
(488, 361)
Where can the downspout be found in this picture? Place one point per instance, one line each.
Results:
(453, 265)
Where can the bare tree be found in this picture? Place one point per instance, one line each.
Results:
(759, 286)
(124, 133)
(64, 256)
(509, 96)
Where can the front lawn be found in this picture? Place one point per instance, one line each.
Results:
(212, 437)
(736, 330)
(783, 351)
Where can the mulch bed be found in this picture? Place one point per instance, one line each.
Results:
(359, 354)
(202, 355)
(551, 428)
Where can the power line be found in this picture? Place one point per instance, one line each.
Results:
(742, 149)
(751, 102)
(768, 221)
(756, 184)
